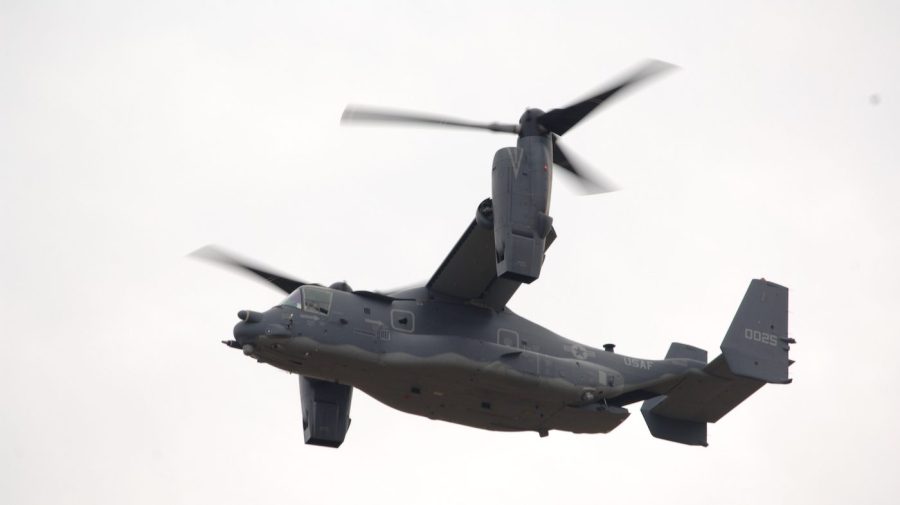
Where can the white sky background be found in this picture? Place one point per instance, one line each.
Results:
(133, 133)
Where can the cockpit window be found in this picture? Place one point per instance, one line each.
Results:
(316, 300)
(293, 299)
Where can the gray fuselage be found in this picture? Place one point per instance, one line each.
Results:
(453, 361)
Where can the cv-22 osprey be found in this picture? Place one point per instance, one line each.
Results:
(452, 350)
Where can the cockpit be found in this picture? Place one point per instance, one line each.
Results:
(313, 299)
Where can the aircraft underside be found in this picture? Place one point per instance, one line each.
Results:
(448, 387)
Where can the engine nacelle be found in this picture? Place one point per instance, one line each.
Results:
(326, 411)
(521, 182)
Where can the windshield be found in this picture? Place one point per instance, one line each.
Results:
(293, 299)
(315, 299)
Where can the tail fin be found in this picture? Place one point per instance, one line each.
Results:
(679, 350)
(754, 352)
(668, 428)
(756, 345)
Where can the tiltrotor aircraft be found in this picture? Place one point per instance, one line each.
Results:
(452, 349)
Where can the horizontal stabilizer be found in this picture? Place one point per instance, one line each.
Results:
(706, 396)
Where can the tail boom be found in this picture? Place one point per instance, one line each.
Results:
(754, 353)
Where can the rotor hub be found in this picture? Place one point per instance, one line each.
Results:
(529, 125)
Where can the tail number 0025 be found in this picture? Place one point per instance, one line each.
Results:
(761, 337)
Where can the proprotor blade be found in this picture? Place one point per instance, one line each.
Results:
(216, 255)
(591, 183)
(559, 121)
(358, 113)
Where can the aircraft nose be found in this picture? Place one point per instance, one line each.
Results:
(255, 324)
(247, 332)
(249, 328)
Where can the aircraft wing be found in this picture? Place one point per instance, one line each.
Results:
(469, 272)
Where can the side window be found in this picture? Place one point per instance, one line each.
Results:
(316, 300)
(403, 320)
(508, 338)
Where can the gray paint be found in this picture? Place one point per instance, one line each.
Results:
(521, 183)
(429, 353)
(326, 411)
(451, 350)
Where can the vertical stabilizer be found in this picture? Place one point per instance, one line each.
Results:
(756, 345)
(683, 351)
(674, 430)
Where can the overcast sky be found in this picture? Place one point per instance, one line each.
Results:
(132, 133)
